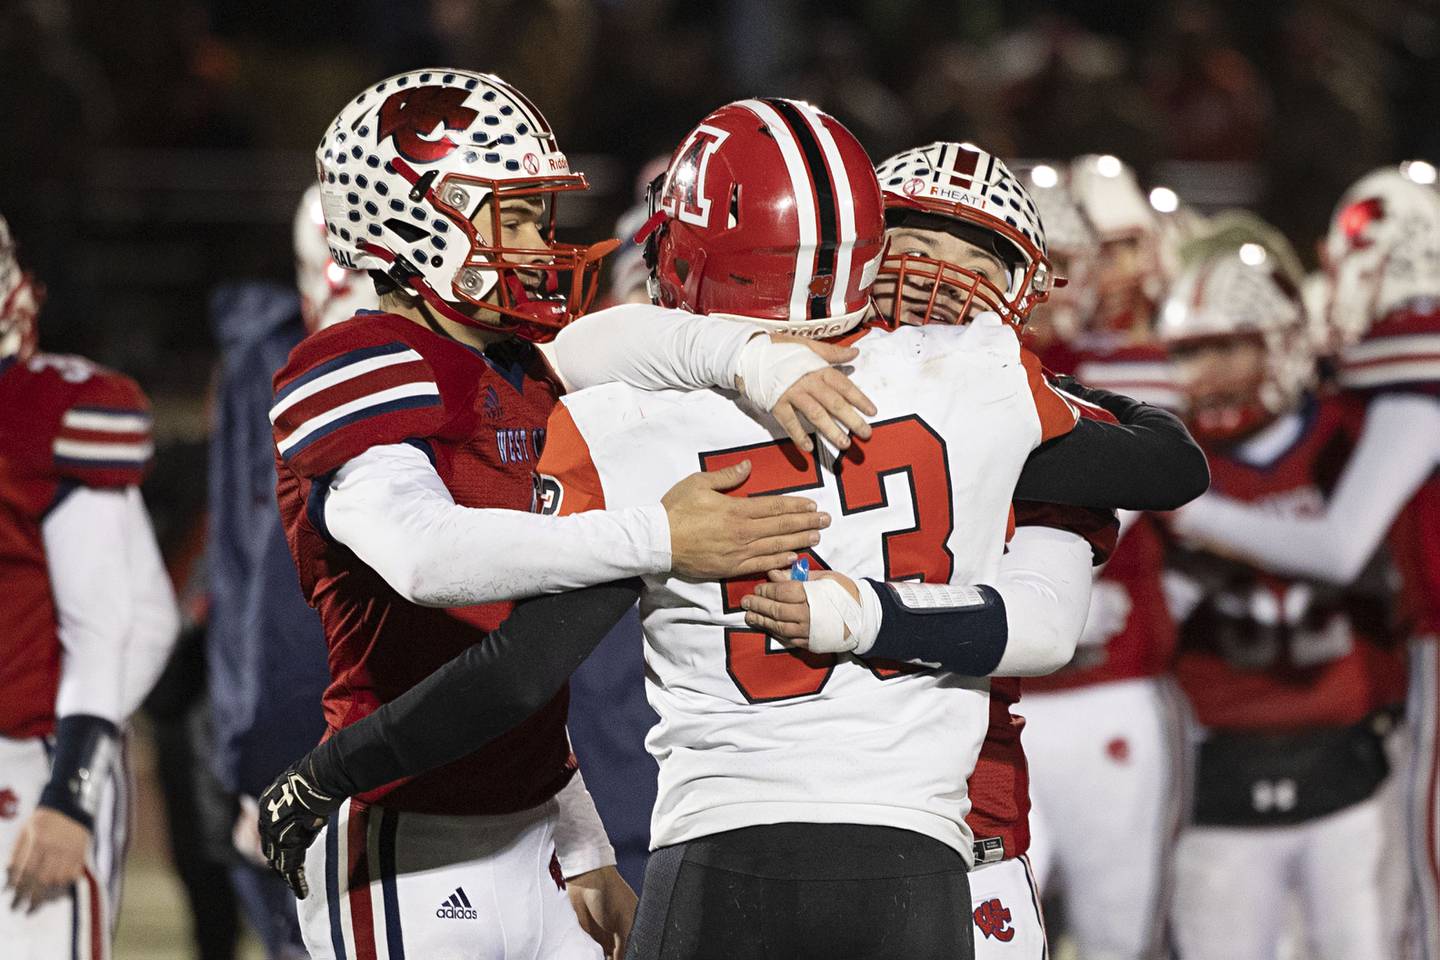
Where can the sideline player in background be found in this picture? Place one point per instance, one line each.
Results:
(265, 648)
(1382, 255)
(1290, 680)
(405, 445)
(87, 623)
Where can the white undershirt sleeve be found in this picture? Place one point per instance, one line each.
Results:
(392, 509)
(155, 620)
(581, 843)
(654, 348)
(1045, 579)
(1398, 450)
(84, 539)
(649, 347)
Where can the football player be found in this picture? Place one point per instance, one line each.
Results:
(1382, 258)
(405, 444)
(1290, 679)
(944, 196)
(87, 624)
(265, 647)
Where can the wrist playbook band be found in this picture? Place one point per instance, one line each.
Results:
(85, 746)
(962, 629)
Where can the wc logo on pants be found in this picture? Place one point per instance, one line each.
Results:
(457, 907)
(993, 919)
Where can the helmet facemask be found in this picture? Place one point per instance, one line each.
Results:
(534, 290)
(914, 288)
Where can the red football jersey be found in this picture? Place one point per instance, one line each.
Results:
(382, 379)
(1145, 644)
(1268, 653)
(1000, 783)
(64, 422)
(1401, 353)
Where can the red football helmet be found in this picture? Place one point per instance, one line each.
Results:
(769, 212)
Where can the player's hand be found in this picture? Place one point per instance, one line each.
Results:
(292, 814)
(605, 906)
(49, 856)
(714, 536)
(245, 831)
(825, 398)
(782, 607)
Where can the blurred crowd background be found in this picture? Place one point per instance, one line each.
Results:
(157, 147)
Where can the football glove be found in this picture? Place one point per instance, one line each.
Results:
(292, 814)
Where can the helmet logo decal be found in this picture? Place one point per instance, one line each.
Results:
(1355, 220)
(531, 164)
(913, 186)
(684, 195)
(410, 117)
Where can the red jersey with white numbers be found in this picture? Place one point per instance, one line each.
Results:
(1268, 653)
(1401, 354)
(64, 422)
(381, 379)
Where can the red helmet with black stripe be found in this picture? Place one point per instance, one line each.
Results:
(769, 212)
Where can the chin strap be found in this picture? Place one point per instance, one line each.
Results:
(85, 746)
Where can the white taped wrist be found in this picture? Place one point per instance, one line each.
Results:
(838, 622)
(765, 369)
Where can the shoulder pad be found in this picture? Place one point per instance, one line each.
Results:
(104, 437)
(1399, 353)
(357, 385)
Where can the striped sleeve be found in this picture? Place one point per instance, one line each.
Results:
(1057, 413)
(1401, 352)
(333, 404)
(104, 435)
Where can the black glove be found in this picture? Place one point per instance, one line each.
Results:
(292, 814)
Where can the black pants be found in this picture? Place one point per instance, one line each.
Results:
(792, 891)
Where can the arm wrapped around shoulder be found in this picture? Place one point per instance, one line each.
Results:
(1146, 461)
(480, 694)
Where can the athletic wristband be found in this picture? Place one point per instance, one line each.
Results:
(960, 629)
(84, 749)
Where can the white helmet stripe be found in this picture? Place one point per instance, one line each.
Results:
(806, 212)
(844, 204)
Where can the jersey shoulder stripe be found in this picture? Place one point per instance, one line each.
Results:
(344, 392)
(104, 435)
(1401, 351)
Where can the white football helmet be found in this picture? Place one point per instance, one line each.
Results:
(989, 207)
(1240, 294)
(20, 300)
(329, 292)
(1071, 246)
(1129, 275)
(406, 167)
(1383, 247)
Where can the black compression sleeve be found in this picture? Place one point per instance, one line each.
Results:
(1148, 461)
(480, 694)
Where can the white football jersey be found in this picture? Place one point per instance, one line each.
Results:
(752, 732)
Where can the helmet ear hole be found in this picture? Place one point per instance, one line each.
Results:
(682, 269)
(733, 220)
